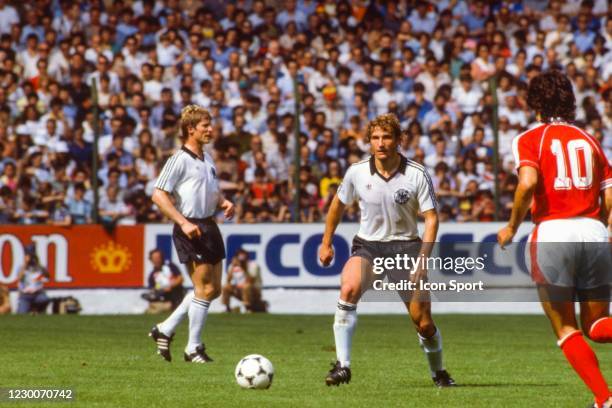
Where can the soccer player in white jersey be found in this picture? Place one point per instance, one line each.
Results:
(191, 178)
(391, 190)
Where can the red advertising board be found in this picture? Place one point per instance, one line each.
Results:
(84, 256)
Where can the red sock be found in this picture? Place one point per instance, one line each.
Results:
(583, 359)
(601, 330)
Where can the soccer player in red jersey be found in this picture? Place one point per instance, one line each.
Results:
(566, 179)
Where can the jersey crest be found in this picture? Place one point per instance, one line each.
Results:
(401, 196)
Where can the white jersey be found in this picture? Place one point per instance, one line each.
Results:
(389, 207)
(192, 181)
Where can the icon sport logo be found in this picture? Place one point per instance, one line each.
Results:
(110, 258)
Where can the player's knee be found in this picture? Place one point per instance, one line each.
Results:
(212, 292)
(199, 292)
(565, 330)
(349, 293)
(425, 327)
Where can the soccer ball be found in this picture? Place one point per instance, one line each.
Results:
(254, 371)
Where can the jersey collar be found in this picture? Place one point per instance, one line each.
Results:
(192, 154)
(400, 169)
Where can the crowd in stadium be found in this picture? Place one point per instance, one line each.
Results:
(436, 65)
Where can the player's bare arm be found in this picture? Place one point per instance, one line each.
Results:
(528, 179)
(429, 237)
(161, 198)
(326, 252)
(227, 206)
(606, 199)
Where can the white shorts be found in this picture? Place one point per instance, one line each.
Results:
(574, 252)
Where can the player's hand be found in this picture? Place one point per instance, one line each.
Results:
(420, 274)
(326, 254)
(228, 209)
(191, 230)
(504, 236)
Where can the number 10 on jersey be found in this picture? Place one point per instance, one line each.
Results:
(573, 148)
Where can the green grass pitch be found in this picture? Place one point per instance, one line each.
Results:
(500, 361)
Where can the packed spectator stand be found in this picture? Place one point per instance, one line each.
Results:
(444, 68)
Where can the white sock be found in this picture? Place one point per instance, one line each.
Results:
(432, 347)
(198, 310)
(168, 326)
(345, 321)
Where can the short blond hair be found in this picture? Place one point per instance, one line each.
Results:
(388, 122)
(191, 115)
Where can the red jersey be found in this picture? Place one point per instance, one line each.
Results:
(572, 170)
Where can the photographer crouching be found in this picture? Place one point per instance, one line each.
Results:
(32, 277)
(165, 284)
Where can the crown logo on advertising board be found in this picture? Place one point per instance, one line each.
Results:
(110, 258)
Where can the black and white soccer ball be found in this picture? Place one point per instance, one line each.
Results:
(254, 371)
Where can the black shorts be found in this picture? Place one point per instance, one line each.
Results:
(209, 248)
(371, 250)
(375, 252)
(384, 249)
